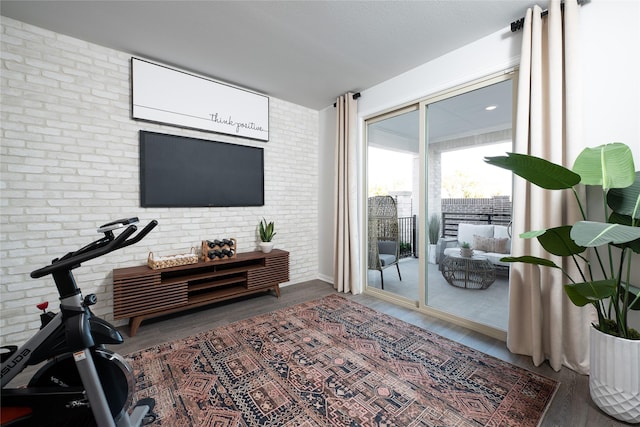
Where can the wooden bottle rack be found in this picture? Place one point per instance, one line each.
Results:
(206, 248)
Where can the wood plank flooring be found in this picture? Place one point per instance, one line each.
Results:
(571, 406)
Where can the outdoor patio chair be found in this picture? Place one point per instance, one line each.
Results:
(384, 244)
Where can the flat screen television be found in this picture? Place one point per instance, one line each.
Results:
(177, 171)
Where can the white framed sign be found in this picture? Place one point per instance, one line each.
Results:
(165, 95)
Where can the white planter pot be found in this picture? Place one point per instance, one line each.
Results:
(432, 254)
(614, 380)
(266, 247)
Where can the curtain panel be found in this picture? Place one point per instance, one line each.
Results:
(346, 272)
(543, 323)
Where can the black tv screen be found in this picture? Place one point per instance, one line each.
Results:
(177, 171)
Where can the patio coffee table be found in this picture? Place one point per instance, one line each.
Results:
(474, 272)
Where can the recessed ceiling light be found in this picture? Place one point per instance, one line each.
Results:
(491, 107)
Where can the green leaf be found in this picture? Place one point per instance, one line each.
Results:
(575, 297)
(528, 259)
(589, 292)
(266, 231)
(616, 218)
(558, 241)
(633, 294)
(626, 201)
(540, 172)
(532, 234)
(609, 165)
(592, 234)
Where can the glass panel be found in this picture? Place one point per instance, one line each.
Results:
(392, 200)
(469, 202)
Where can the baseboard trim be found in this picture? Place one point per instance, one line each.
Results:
(325, 278)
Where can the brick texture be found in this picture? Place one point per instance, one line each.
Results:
(70, 163)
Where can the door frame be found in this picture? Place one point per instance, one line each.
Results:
(422, 106)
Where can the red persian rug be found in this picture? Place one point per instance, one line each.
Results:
(333, 362)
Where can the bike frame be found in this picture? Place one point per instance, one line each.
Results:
(21, 358)
(74, 317)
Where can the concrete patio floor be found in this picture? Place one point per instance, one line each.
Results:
(488, 306)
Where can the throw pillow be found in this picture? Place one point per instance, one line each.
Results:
(482, 243)
(490, 244)
(500, 245)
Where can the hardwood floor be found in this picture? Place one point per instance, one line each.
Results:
(571, 406)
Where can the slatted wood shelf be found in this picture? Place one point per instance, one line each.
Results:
(210, 274)
(141, 293)
(217, 295)
(217, 283)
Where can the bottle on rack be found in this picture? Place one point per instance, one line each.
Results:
(215, 254)
(228, 252)
(228, 242)
(211, 244)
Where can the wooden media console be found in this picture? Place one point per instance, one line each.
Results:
(141, 293)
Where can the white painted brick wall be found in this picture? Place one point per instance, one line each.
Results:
(69, 163)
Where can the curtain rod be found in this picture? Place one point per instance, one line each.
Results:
(517, 25)
(355, 96)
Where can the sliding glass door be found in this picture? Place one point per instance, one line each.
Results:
(469, 203)
(429, 192)
(393, 191)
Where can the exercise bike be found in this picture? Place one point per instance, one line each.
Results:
(82, 383)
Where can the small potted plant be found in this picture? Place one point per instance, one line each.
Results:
(266, 232)
(465, 250)
(434, 234)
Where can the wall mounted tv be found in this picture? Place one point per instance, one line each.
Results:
(177, 171)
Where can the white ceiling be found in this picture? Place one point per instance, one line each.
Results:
(460, 116)
(305, 52)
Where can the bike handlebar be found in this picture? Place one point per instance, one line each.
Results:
(103, 247)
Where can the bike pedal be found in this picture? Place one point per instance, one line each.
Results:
(6, 351)
(147, 401)
(149, 418)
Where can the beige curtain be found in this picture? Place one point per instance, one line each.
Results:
(543, 323)
(346, 276)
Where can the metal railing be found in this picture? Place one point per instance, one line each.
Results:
(408, 235)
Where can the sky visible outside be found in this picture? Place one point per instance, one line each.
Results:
(464, 172)
(389, 171)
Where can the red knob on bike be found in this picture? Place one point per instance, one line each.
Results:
(43, 305)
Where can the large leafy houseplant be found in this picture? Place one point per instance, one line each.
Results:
(605, 274)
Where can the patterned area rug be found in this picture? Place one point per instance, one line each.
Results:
(333, 362)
